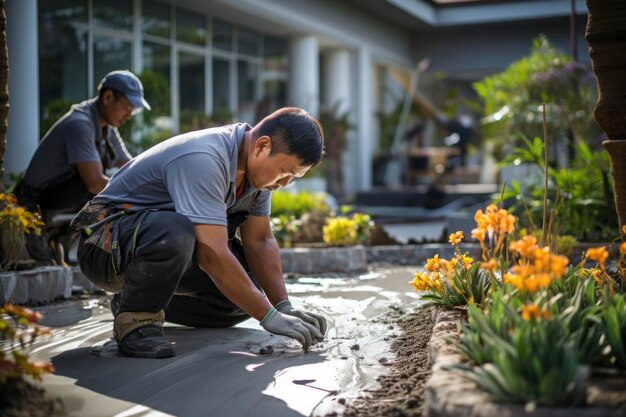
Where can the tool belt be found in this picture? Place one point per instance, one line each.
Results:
(95, 222)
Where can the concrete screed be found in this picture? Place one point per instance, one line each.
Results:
(229, 372)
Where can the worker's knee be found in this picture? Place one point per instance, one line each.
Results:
(165, 232)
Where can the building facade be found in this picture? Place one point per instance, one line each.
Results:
(214, 60)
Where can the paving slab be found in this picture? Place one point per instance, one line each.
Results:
(224, 372)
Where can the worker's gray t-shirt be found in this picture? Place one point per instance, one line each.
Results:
(193, 174)
(76, 137)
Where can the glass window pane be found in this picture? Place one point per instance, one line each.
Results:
(274, 73)
(222, 35)
(190, 27)
(156, 64)
(156, 19)
(221, 86)
(109, 54)
(191, 82)
(248, 42)
(114, 14)
(247, 78)
(63, 11)
(274, 46)
(275, 97)
(62, 70)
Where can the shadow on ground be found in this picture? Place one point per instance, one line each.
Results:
(210, 375)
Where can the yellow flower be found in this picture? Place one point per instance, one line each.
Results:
(456, 238)
(597, 275)
(467, 261)
(433, 264)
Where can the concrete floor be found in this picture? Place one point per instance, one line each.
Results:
(220, 372)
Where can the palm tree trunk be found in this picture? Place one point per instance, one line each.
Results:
(4, 90)
(606, 35)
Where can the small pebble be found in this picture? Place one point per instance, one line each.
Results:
(266, 350)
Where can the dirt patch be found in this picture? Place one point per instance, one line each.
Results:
(19, 398)
(401, 392)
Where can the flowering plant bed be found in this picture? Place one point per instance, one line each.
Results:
(537, 327)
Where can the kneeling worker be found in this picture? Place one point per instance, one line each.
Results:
(162, 235)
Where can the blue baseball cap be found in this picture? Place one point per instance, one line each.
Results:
(126, 83)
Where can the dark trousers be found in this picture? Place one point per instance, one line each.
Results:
(158, 271)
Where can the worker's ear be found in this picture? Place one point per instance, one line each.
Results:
(108, 97)
(262, 144)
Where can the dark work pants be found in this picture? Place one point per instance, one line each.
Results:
(159, 271)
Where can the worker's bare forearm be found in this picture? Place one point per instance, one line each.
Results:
(263, 257)
(233, 281)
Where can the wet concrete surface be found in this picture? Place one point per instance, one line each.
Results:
(229, 372)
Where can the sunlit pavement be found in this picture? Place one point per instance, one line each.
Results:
(227, 372)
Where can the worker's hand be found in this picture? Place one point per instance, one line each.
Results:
(316, 320)
(279, 323)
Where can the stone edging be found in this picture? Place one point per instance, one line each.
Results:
(42, 285)
(450, 394)
(51, 282)
(355, 258)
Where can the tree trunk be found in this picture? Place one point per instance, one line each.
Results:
(606, 35)
(4, 90)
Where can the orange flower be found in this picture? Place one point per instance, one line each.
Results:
(491, 265)
(622, 248)
(599, 254)
(558, 265)
(533, 312)
(479, 234)
(525, 246)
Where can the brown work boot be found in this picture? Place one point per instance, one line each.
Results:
(140, 335)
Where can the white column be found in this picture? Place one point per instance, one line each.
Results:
(365, 117)
(337, 95)
(23, 129)
(304, 73)
(337, 84)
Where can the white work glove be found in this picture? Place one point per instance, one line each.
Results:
(313, 319)
(279, 323)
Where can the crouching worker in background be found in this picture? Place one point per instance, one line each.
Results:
(68, 167)
(162, 235)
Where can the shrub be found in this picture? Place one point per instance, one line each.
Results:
(19, 330)
(346, 231)
(15, 223)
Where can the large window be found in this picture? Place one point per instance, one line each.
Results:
(81, 40)
(109, 54)
(247, 87)
(221, 83)
(191, 87)
(190, 27)
(156, 19)
(115, 14)
(62, 58)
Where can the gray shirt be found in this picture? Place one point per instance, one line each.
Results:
(193, 174)
(76, 137)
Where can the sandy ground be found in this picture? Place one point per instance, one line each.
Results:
(226, 372)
